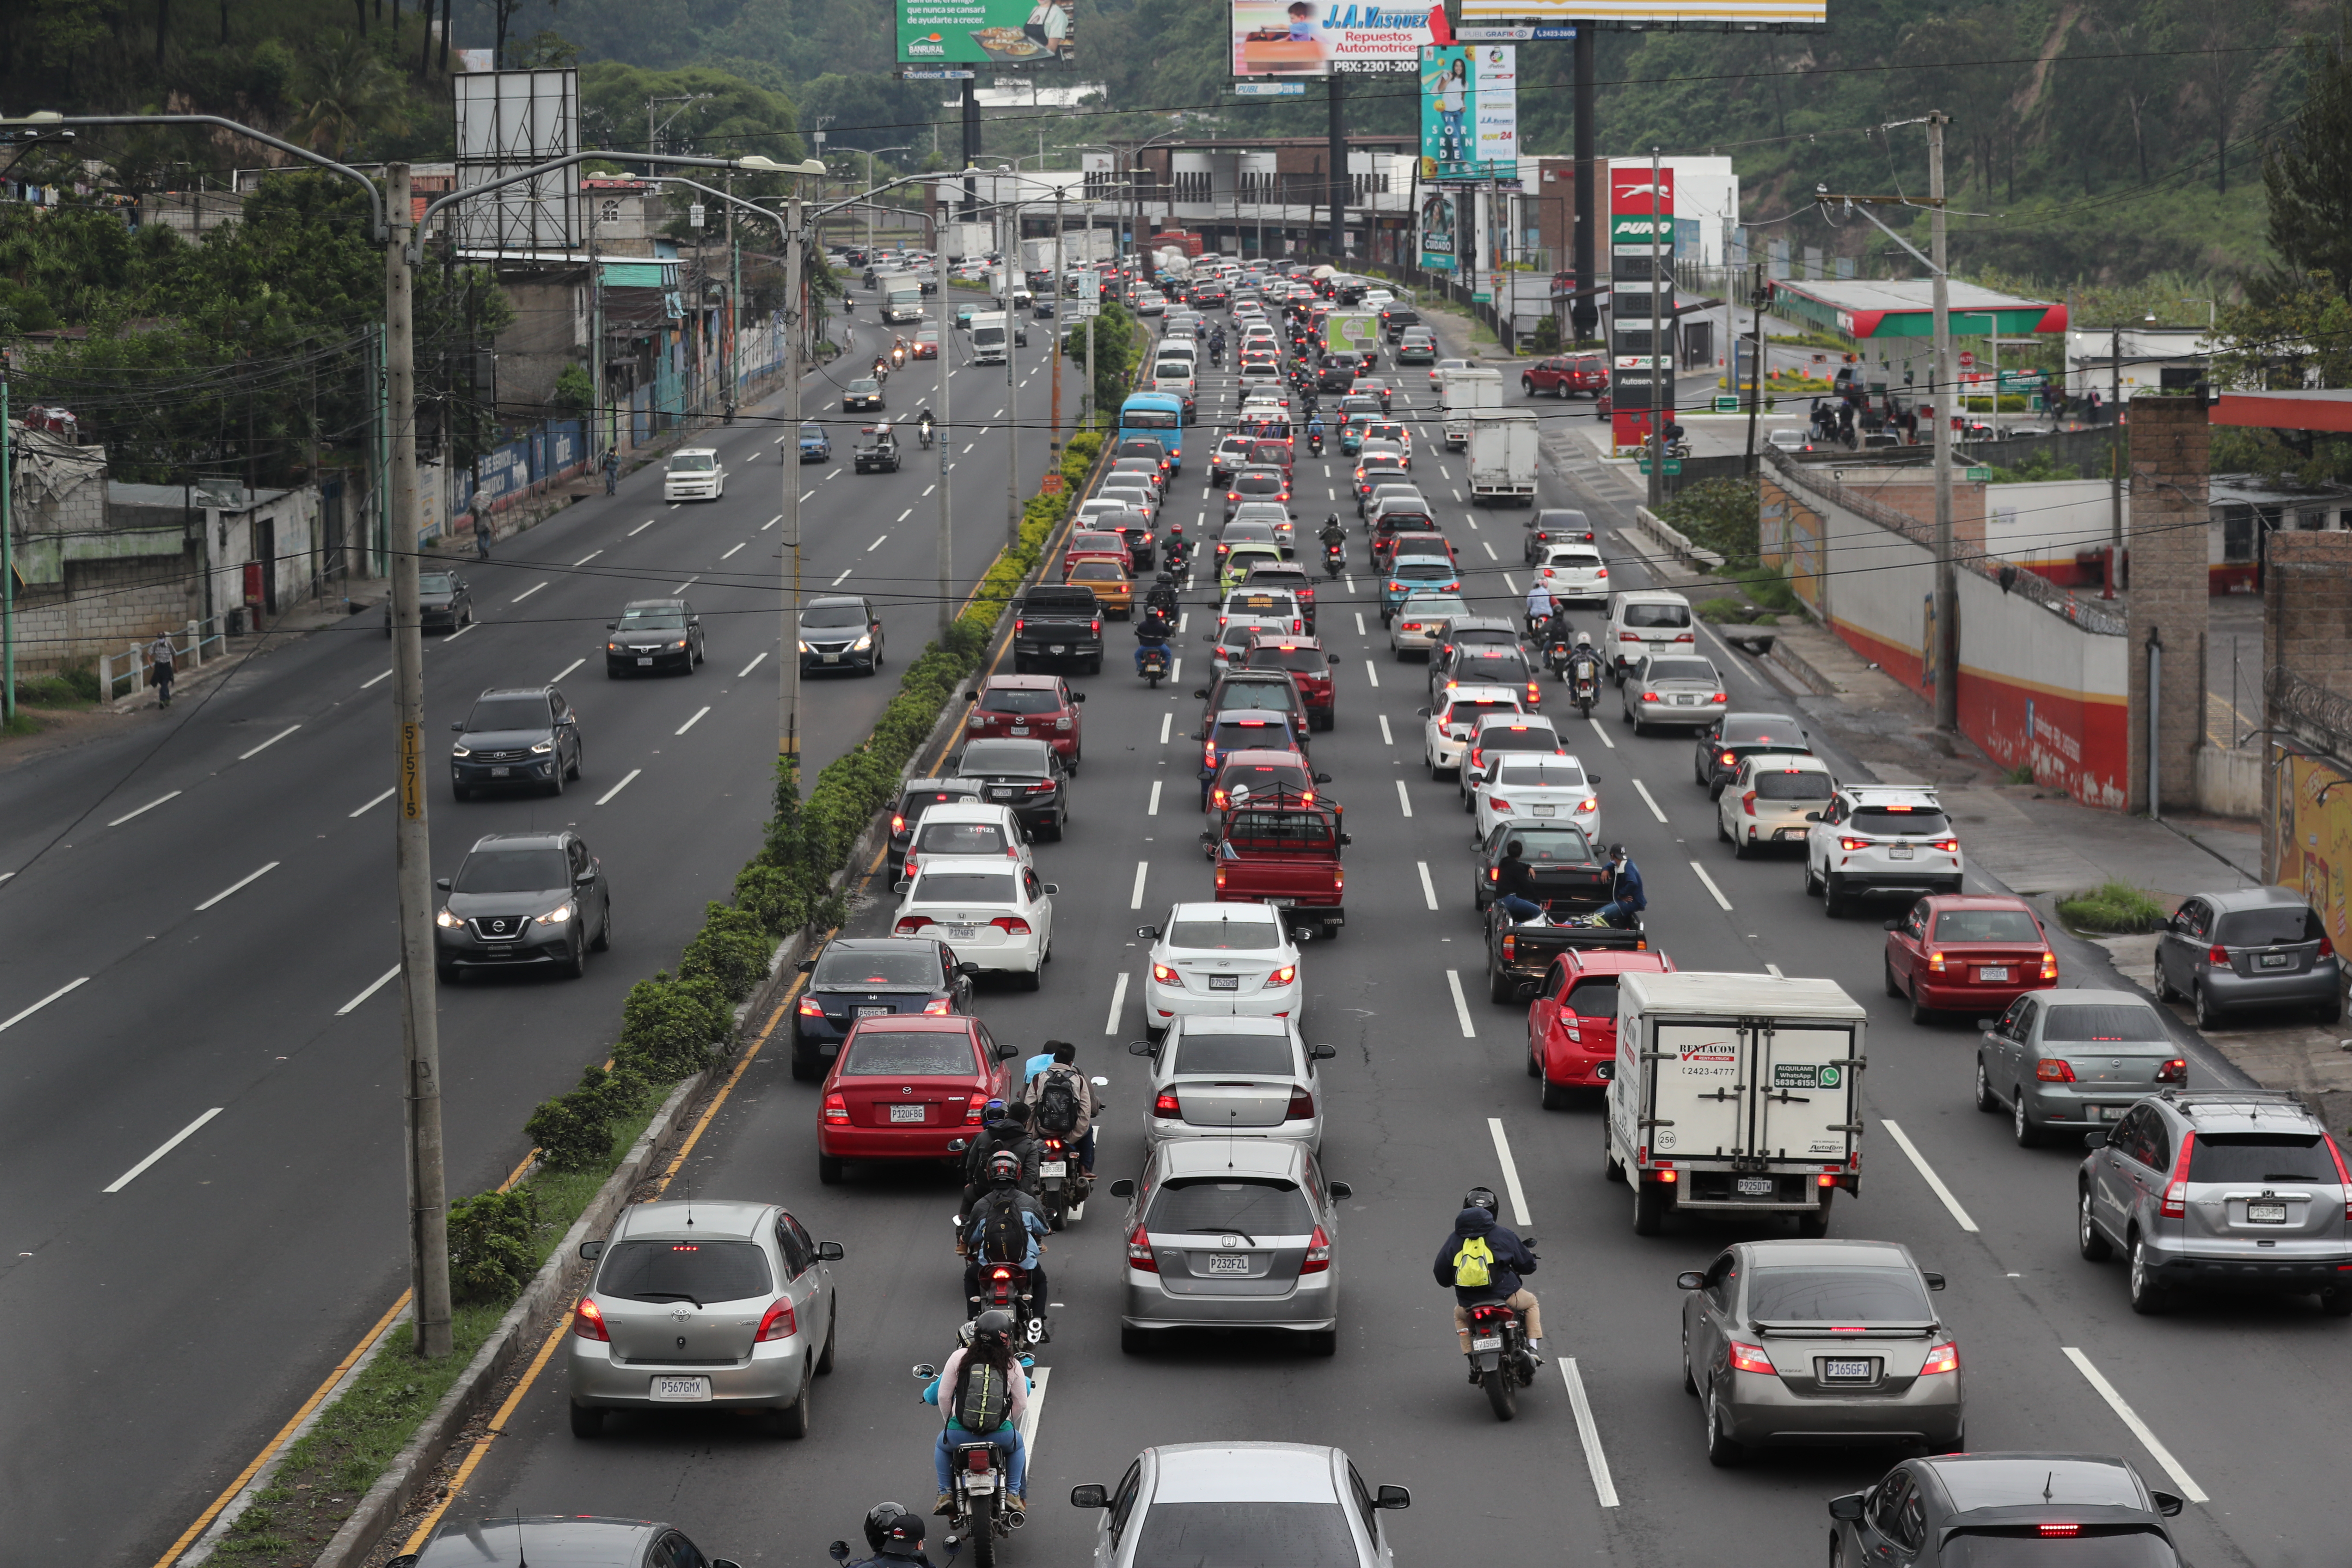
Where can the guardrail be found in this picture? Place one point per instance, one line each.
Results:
(187, 653)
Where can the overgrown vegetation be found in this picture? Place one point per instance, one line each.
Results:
(1717, 515)
(2035, 469)
(2116, 907)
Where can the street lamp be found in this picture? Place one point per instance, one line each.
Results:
(871, 154)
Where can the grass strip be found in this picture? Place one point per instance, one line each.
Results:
(2116, 908)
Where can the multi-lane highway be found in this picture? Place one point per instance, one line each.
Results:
(2228, 1403)
(200, 925)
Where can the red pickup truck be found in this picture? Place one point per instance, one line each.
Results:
(1567, 375)
(1283, 848)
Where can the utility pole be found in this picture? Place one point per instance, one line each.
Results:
(788, 649)
(945, 551)
(1337, 137)
(1755, 363)
(1657, 342)
(1584, 310)
(428, 1215)
(2116, 461)
(8, 557)
(1947, 581)
(1011, 249)
(734, 293)
(1054, 355)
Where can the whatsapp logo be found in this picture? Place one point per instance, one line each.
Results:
(1828, 1078)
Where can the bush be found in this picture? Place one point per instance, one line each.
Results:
(491, 1258)
(668, 1025)
(732, 949)
(1768, 587)
(2116, 907)
(1725, 610)
(1717, 515)
(575, 390)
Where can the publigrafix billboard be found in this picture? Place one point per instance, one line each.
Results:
(1693, 14)
(986, 32)
(1320, 37)
(1469, 111)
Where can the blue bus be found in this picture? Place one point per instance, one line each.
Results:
(1160, 415)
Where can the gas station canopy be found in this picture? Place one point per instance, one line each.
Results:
(1862, 309)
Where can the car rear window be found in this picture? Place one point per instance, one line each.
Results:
(1277, 830)
(1259, 484)
(1426, 607)
(846, 969)
(2092, 1546)
(1305, 660)
(961, 839)
(1541, 772)
(1263, 1206)
(1253, 735)
(1989, 925)
(1581, 560)
(1290, 1534)
(1020, 699)
(905, 1053)
(1242, 530)
(1266, 696)
(2260, 1157)
(1097, 572)
(1784, 733)
(1256, 778)
(2102, 1022)
(1275, 452)
(1512, 738)
(1791, 783)
(963, 888)
(1233, 1053)
(1470, 712)
(1593, 998)
(2260, 928)
(513, 871)
(1899, 819)
(1491, 665)
(2011, 1483)
(1553, 846)
(1005, 756)
(1836, 1296)
(697, 1271)
(1424, 569)
(1655, 616)
(1681, 670)
(1225, 936)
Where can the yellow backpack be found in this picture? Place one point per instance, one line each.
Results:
(1474, 1266)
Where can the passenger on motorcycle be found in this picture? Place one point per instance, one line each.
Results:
(1540, 605)
(1004, 1129)
(984, 1391)
(1062, 1102)
(1626, 898)
(1334, 531)
(1004, 1223)
(893, 1536)
(1482, 1261)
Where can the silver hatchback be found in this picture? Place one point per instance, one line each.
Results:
(1240, 1502)
(697, 1303)
(2252, 947)
(1230, 1233)
(1231, 1076)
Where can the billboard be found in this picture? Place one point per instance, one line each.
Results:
(1440, 231)
(1711, 14)
(509, 121)
(1469, 111)
(986, 32)
(1318, 37)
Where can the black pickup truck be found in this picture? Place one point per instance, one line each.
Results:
(1058, 623)
(1570, 882)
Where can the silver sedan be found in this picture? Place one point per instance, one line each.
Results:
(1222, 1077)
(1240, 1502)
(1672, 689)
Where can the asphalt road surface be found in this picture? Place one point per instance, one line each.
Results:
(1428, 1096)
(216, 889)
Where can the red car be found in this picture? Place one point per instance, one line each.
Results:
(1572, 1022)
(1968, 952)
(1028, 708)
(907, 1086)
(1103, 543)
(1567, 375)
(1309, 668)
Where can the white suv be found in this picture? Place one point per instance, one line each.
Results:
(1445, 738)
(1879, 838)
(695, 473)
(1574, 573)
(1644, 622)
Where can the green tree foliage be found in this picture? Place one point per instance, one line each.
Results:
(1717, 515)
(2308, 173)
(491, 1258)
(729, 117)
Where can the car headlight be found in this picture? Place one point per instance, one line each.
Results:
(460, 751)
(615, 647)
(447, 920)
(805, 647)
(542, 747)
(678, 646)
(554, 917)
(862, 644)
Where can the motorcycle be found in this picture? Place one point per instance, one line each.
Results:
(1315, 443)
(1155, 670)
(923, 435)
(1555, 656)
(1335, 560)
(899, 357)
(1004, 1288)
(1585, 691)
(977, 1483)
(1065, 1190)
(1498, 1355)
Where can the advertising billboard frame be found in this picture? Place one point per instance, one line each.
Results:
(1655, 16)
(1319, 39)
(1024, 34)
(1469, 103)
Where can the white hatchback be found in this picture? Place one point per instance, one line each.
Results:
(695, 473)
(1000, 917)
(1220, 960)
(1545, 790)
(1575, 574)
(971, 834)
(1446, 737)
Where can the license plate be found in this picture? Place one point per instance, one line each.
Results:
(500, 950)
(832, 659)
(976, 1484)
(1899, 852)
(2277, 959)
(1487, 1342)
(1002, 794)
(1228, 1263)
(1053, 1167)
(1058, 648)
(961, 933)
(906, 1113)
(681, 1390)
(1547, 811)
(1020, 729)
(1224, 981)
(643, 660)
(2108, 1112)
(1755, 1186)
(1681, 702)
(2265, 1213)
(1790, 832)
(1994, 971)
(1847, 1371)
(870, 1012)
(498, 773)
(1281, 903)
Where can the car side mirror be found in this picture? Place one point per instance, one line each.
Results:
(830, 1252)
(459, 728)
(1322, 1053)
(1343, 1190)
(902, 886)
(1891, 925)
(838, 1552)
(1422, 711)
(1690, 1280)
(1052, 889)
(967, 969)
(1988, 1025)
(2166, 1503)
(1122, 1188)
(586, 878)
(1090, 1496)
(1149, 932)
(1201, 695)
(2096, 1138)
(1139, 1047)
(592, 1250)
(1322, 778)
(1527, 990)
(611, 626)
(442, 883)
(1007, 1053)
(1848, 1508)
(1392, 1496)
(1935, 1280)
(1813, 816)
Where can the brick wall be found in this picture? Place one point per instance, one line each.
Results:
(2168, 522)
(2308, 606)
(105, 606)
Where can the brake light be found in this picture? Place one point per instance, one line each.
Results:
(1717, 696)
(836, 1109)
(1651, 698)
(2176, 1192)
(2055, 1069)
(2174, 1072)
(1318, 1253)
(975, 1107)
(911, 925)
(909, 866)
(1948, 846)
(1751, 1358)
(1603, 571)
(1747, 802)
(2343, 1177)
(2059, 1532)
(2049, 966)
(1283, 976)
(1685, 636)
(898, 825)
(2326, 948)
(1945, 1357)
(1138, 1252)
(588, 1322)
(1731, 759)
(778, 1324)
(1097, 625)
(1853, 844)
(1495, 804)
(1221, 879)
(809, 1009)
(2217, 953)
(1165, 1107)
(1936, 963)
(1018, 622)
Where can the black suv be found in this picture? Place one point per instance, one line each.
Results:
(444, 601)
(523, 901)
(1027, 776)
(653, 634)
(841, 632)
(516, 735)
(859, 977)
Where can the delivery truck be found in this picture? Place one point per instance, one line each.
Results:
(1735, 1093)
(967, 241)
(1503, 456)
(1460, 393)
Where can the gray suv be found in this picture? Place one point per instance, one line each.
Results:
(2255, 947)
(2064, 1060)
(2230, 1189)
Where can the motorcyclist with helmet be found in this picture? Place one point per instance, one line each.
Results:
(923, 425)
(1315, 435)
(1005, 1208)
(1334, 533)
(1060, 1067)
(1480, 1247)
(894, 1536)
(1004, 1129)
(983, 1381)
(1152, 630)
(1583, 661)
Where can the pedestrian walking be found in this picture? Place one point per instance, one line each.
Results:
(612, 466)
(159, 657)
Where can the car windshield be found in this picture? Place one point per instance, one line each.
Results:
(693, 463)
(697, 1272)
(1272, 1534)
(834, 615)
(847, 969)
(1003, 757)
(1541, 772)
(1225, 936)
(811, 432)
(507, 713)
(963, 888)
(516, 870)
(864, 383)
(1217, 1052)
(2260, 928)
(2025, 1546)
(2014, 1483)
(1305, 660)
(1836, 1296)
(1020, 698)
(961, 839)
(1791, 783)
(655, 618)
(2260, 1157)
(1680, 669)
(1655, 616)
(1263, 1206)
(1904, 819)
(1992, 925)
(435, 582)
(905, 1053)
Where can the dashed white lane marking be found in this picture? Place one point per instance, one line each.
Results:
(689, 583)
(905, 515)
(461, 631)
(1774, 971)
(1142, 869)
(1588, 1432)
(1711, 887)
(1508, 584)
(838, 580)
(242, 882)
(690, 725)
(1165, 720)
(1519, 1215)
(1386, 739)
(144, 810)
(374, 804)
(1643, 791)
(248, 756)
(1428, 889)
(1602, 732)
(1927, 1172)
(771, 522)
(639, 528)
(1153, 809)
(617, 789)
(1182, 618)
(1373, 670)
(2139, 1428)
(526, 594)
(373, 679)
(378, 984)
(1175, 667)
(877, 541)
(734, 548)
(173, 1142)
(751, 667)
(16, 1018)
(1117, 1005)
(1404, 801)
(568, 670)
(587, 558)
(1461, 1006)
(1360, 624)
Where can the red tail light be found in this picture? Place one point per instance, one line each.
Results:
(1686, 636)
(1221, 879)
(1936, 966)
(2326, 948)
(1510, 947)
(588, 1322)
(1097, 625)
(2343, 1177)
(2176, 1192)
(809, 1009)
(836, 1109)
(779, 1324)
(1853, 844)
(1496, 803)
(1165, 1107)
(1165, 975)
(1283, 976)
(1731, 759)
(1747, 802)
(1318, 1253)
(1945, 1357)
(972, 1109)
(1138, 1252)
(1018, 622)
(1302, 1104)
(2053, 1070)
(1603, 571)
(2049, 966)
(911, 925)
(1948, 846)
(1751, 1358)
(898, 825)
(1622, 636)
(2174, 1072)
(1010, 925)
(1717, 696)
(2058, 1531)
(937, 1007)
(2217, 955)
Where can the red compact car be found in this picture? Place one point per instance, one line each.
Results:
(907, 1086)
(1103, 542)
(1968, 952)
(1572, 1022)
(1307, 665)
(1026, 708)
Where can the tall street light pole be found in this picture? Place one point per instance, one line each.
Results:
(1947, 581)
(1657, 342)
(788, 634)
(944, 591)
(870, 156)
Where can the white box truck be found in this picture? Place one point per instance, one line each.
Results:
(1503, 456)
(1735, 1093)
(967, 241)
(902, 298)
(1460, 393)
(989, 330)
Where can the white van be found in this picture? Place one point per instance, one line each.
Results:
(1644, 622)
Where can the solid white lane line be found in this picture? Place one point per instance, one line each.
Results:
(1710, 885)
(639, 528)
(1165, 719)
(771, 522)
(690, 725)
(1428, 891)
(1519, 1215)
(1588, 1432)
(144, 809)
(751, 667)
(1643, 791)
(1461, 1006)
(19, 1017)
(1117, 1002)
(241, 882)
(376, 801)
(1360, 624)
(1034, 1411)
(1919, 1163)
(1153, 809)
(1404, 801)
(1373, 670)
(838, 580)
(373, 679)
(617, 789)
(587, 558)
(378, 984)
(246, 756)
(1774, 971)
(173, 1142)
(568, 670)
(1386, 739)
(526, 594)
(734, 548)
(2139, 1428)
(1143, 869)
(1602, 732)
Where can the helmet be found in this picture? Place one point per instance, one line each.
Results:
(878, 1520)
(1004, 1169)
(965, 1333)
(993, 1111)
(994, 1325)
(1584, 639)
(1479, 1198)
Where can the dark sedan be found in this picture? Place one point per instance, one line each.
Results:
(523, 901)
(651, 635)
(1027, 776)
(843, 631)
(516, 735)
(1736, 737)
(2007, 1510)
(867, 977)
(443, 603)
(557, 1540)
(918, 797)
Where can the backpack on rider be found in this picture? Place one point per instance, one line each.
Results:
(1057, 1101)
(1473, 1263)
(983, 1396)
(1003, 1235)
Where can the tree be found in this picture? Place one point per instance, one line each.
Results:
(2308, 173)
(350, 93)
(2222, 68)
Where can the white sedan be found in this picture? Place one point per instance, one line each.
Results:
(1220, 960)
(1001, 919)
(1521, 788)
(1451, 724)
(1575, 574)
